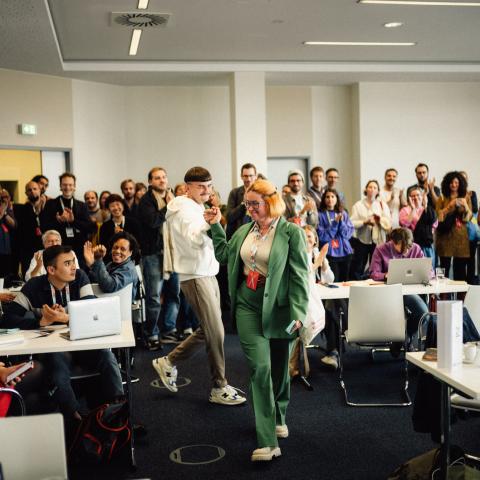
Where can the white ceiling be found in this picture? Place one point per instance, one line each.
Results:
(205, 40)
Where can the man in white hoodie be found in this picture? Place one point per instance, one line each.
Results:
(188, 251)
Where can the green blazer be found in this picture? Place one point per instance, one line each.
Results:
(286, 288)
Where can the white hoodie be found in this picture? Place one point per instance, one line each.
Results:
(188, 250)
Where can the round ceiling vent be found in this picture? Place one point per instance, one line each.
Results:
(141, 20)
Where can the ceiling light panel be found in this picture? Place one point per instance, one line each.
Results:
(361, 44)
(421, 3)
(136, 34)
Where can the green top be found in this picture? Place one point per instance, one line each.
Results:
(286, 289)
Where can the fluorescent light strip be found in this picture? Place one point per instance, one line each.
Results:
(142, 4)
(424, 3)
(136, 34)
(364, 44)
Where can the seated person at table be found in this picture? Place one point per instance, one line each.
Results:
(42, 302)
(400, 245)
(118, 273)
(36, 268)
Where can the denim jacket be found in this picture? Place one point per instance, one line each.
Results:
(113, 277)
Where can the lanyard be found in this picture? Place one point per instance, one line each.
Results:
(54, 296)
(63, 205)
(258, 237)
(121, 224)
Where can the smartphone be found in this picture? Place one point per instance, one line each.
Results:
(291, 327)
(331, 285)
(19, 371)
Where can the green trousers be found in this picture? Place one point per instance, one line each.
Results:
(268, 363)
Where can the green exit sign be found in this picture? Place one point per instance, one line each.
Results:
(27, 129)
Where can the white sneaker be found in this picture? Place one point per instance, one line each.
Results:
(331, 361)
(281, 431)
(265, 454)
(226, 395)
(167, 373)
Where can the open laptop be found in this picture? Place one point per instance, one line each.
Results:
(96, 317)
(409, 271)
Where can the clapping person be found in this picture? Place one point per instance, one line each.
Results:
(118, 221)
(36, 268)
(419, 216)
(335, 230)
(268, 282)
(7, 224)
(454, 210)
(372, 221)
(118, 273)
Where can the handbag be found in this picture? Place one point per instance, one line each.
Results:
(473, 232)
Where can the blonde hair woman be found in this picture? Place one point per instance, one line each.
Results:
(268, 283)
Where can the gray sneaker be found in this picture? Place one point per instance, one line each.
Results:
(167, 373)
(226, 395)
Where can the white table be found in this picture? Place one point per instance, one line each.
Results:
(54, 342)
(343, 291)
(465, 379)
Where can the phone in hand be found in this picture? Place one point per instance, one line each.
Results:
(19, 371)
(291, 327)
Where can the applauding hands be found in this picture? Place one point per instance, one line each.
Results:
(91, 253)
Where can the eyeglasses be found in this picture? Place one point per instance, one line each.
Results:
(254, 204)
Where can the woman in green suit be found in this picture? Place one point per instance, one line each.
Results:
(268, 284)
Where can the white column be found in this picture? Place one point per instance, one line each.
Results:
(248, 122)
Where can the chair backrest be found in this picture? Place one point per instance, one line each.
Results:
(33, 447)
(141, 286)
(472, 302)
(125, 295)
(376, 314)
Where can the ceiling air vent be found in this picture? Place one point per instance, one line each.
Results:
(139, 20)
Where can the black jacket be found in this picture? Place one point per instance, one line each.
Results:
(107, 230)
(82, 224)
(422, 235)
(151, 220)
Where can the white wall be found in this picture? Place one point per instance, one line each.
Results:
(402, 124)
(99, 147)
(178, 128)
(332, 116)
(42, 100)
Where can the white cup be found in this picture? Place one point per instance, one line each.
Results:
(469, 352)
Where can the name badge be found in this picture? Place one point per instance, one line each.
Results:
(69, 232)
(334, 243)
(252, 280)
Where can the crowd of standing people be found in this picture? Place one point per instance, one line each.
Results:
(272, 243)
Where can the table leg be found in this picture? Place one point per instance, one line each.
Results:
(445, 432)
(130, 405)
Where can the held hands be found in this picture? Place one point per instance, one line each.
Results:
(169, 196)
(6, 371)
(212, 215)
(66, 216)
(338, 217)
(308, 206)
(38, 259)
(7, 297)
(320, 258)
(298, 326)
(55, 314)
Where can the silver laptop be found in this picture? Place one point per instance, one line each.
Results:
(96, 317)
(409, 271)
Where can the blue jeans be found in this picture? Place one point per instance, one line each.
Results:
(430, 253)
(415, 307)
(60, 370)
(155, 285)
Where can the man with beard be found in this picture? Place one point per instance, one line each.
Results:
(91, 201)
(301, 208)
(393, 196)
(29, 233)
(317, 176)
(433, 192)
(68, 216)
(236, 211)
(128, 190)
(151, 213)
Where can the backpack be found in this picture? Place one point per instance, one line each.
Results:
(102, 434)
